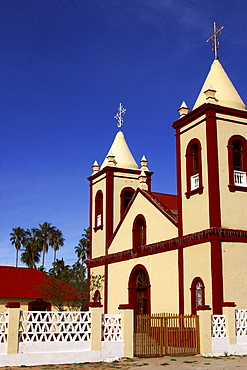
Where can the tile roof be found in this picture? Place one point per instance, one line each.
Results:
(17, 282)
(168, 200)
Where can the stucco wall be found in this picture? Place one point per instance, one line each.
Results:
(98, 237)
(233, 204)
(163, 275)
(158, 227)
(197, 263)
(197, 204)
(234, 273)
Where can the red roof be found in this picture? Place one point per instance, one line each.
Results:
(169, 200)
(17, 282)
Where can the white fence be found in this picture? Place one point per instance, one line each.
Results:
(223, 343)
(60, 337)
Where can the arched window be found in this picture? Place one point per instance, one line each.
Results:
(139, 231)
(237, 157)
(193, 168)
(97, 296)
(197, 294)
(99, 210)
(126, 196)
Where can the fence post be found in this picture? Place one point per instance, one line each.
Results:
(13, 327)
(96, 327)
(205, 331)
(127, 324)
(229, 312)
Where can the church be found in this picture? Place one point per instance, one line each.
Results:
(176, 253)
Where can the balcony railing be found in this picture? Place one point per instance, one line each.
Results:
(194, 182)
(240, 178)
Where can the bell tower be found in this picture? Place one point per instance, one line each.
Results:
(111, 188)
(211, 143)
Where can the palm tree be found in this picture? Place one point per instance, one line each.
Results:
(60, 271)
(56, 241)
(16, 238)
(33, 247)
(45, 235)
(82, 249)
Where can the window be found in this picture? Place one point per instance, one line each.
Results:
(237, 157)
(99, 210)
(139, 231)
(193, 168)
(126, 196)
(197, 294)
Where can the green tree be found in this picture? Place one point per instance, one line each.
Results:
(45, 235)
(60, 271)
(31, 254)
(82, 249)
(16, 238)
(56, 241)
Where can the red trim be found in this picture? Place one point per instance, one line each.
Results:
(194, 143)
(213, 169)
(132, 288)
(106, 289)
(196, 113)
(13, 305)
(217, 276)
(109, 206)
(179, 183)
(181, 280)
(204, 308)
(98, 210)
(126, 307)
(243, 141)
(123, 205)
(139, 234)
(119, 169)
(207, 235)
(90, 220)
(94, 304)
(229, 304)
(150, 197)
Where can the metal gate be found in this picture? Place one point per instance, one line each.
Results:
(166, 334)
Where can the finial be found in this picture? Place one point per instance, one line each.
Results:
(119, 115)
(144, 163)
(215, 40)
(183, 110)
(95, 167)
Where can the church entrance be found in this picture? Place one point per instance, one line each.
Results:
(139, 290)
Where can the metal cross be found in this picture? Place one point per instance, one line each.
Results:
(119, 115)
(214, 39)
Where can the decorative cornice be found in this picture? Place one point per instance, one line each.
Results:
(207, 235)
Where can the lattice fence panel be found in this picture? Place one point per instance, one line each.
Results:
(3, 327)
(218, 326)
(241, 322)
(111, 328)
(38, 326)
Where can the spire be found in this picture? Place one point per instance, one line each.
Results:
(121, 152)
(225, 93)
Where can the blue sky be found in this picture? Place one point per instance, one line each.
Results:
(65, 65)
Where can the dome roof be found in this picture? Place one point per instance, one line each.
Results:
(122, 155)
(226, 94)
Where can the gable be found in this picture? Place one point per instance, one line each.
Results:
(160, 223)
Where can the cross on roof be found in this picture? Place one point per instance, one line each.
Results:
(119, 115)
(215, 40)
